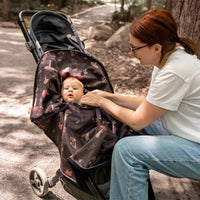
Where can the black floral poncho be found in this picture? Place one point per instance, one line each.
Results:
(86, 135)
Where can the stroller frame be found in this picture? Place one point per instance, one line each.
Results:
(38, 180)
(29, 43)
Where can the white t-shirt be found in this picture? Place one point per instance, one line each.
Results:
(176, 87)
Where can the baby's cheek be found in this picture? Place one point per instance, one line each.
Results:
(64, 96)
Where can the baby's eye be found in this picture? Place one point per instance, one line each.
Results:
(66, 88)
(74, 88)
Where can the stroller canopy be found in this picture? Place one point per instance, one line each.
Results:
(50, 30)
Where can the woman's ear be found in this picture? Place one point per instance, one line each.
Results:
(158, 48)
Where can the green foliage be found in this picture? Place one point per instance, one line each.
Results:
(15, 6)
(133, 9)
(74, 6)
(137, 7)
(83, 2)
(158, 3)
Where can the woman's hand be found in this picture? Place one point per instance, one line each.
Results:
(102, 93)
(92, 99)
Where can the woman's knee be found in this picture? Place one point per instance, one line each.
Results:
(134, 147)
(126, 147)
(120, 155)
(122, 145)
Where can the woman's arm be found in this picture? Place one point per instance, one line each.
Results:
(127, 101)
(144, 115)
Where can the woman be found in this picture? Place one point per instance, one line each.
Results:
(173, 98)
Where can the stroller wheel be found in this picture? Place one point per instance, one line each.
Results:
(39, 182)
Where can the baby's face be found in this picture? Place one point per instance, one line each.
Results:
(72, 90)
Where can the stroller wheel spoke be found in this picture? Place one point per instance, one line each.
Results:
(39, 182)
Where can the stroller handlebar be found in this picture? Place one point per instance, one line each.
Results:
(21, 21)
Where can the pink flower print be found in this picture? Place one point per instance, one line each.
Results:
(49, 68)
(40, 126)
(68, 35)
(67, 111)
(76, 72)
(34, 108)
(65, 72)
(102, 127)
(99, 133)
(68, 71)
(46, 52)
(79, 77)
(68, 173)
(44, 93)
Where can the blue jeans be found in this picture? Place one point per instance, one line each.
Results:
(134, 156)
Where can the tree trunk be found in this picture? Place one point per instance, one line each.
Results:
(60, 4)
(149, 2)
(168, 5)
(6, 6)
(122, 6)
(187, 15)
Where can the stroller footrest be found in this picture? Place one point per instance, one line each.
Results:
(52, 181)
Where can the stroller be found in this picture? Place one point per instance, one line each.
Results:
(84, 135)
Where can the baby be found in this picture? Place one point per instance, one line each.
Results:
(72, 90)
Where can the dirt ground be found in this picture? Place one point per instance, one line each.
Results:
(126, 74)
(24, 146)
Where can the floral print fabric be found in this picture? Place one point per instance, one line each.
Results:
(84, 134)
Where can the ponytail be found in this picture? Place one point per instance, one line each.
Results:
(188, 45)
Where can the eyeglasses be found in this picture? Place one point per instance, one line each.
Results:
(136, 48)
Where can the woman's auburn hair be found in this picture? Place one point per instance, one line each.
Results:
(157, 26)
